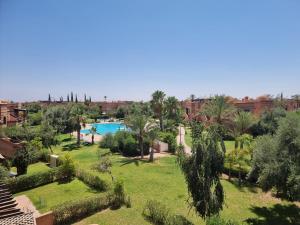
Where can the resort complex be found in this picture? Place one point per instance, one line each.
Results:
(88, 162)
(149, 112)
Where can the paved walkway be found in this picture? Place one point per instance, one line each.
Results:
(181, 140)
(26, 205)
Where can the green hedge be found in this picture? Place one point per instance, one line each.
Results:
(73, 211)
(70, 212)
(91, 180)
(25, 182)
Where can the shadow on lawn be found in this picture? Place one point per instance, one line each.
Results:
(276, 215)
(245, 186)
(74, 146)
(136, 161)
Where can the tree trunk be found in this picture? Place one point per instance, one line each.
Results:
(229, 172)
(161, 123)
(92, 139)
(236, 144)
(78, 136)
(141, 146)
(151, 159)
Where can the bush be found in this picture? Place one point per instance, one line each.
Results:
(158, 214)
(103, 165)
(125, 143)
(107, 141)
(117, 196)
(3, 173)
(91, 180)
(70, 212)
(66, 171)
(25, 182)
(216, 220)
(170, 139)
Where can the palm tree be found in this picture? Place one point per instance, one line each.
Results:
(141, 125)
(152, 134)
(157, 104)
(172, 108)
(93, 131)
(241, 124)
(76, 115)
(218, 110)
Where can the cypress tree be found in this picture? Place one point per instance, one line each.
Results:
(68, 99)
(49, 98)
(72, 97)
(84, 97)
(76, 100)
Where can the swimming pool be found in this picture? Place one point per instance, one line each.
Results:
(105, 128)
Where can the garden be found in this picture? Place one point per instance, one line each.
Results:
(113, 182)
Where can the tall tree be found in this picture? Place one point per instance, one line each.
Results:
(21, 160)
(90, 99)
(276, 159)
(76, 114)
(172, 109)
(141, 124)
(49, 98)
(93, 131)
(85, 98)
(241, 124)
(76, 100)
(202, 170)
(72, 100)
(218, 110)
(68, 98)
(157, 104)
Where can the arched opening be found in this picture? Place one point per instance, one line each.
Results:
(4, 120)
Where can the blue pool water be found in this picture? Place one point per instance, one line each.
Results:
(105, 128)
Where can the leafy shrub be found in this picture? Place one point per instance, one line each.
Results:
(44, 155)
(70, 212)
(216, 220)
(66, 171)
(170, 139)
(3, 173)
(103, 165)
(158, 214)
(25, 182)
(117, 196)
(91, 180)
(107, 141)
(125, 143)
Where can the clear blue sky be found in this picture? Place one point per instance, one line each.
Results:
(128, 49)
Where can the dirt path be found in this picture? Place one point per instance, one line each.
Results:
(181, 140)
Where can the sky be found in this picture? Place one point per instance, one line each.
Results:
(126, 50)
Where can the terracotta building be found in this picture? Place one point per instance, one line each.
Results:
(256, 106)
(11, 113)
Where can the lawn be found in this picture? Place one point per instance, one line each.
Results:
(47, 196)
(162, 181)
(34, 168)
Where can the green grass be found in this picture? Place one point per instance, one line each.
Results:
(34, 168)
(47, 196)
(162, 181)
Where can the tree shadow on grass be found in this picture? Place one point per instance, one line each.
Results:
(70, 147)
(276, 215)
(244, 187)
(74, 146)
(136, 161)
